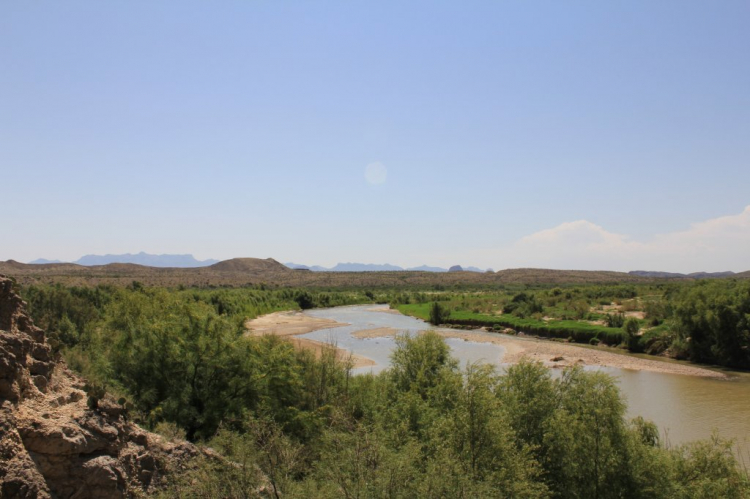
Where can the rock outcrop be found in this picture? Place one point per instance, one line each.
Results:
(52, 442)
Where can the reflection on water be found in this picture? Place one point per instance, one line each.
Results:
(685, 407)
(379, 349)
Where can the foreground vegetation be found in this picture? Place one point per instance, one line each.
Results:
(287, 424)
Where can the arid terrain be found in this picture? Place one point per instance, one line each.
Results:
(254, 271)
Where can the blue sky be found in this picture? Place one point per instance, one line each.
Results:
(607, 133)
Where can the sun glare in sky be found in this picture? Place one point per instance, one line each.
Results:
(376, 173)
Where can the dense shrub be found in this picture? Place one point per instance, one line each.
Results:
(439, 314)
(712, 320)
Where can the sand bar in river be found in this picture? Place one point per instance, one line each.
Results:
(558, 354)
(380, 332)
(290, 324)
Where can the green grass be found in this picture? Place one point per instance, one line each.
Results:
(580, 332)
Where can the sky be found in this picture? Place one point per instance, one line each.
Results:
(581, 134)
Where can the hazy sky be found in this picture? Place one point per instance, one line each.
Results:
(498, 134)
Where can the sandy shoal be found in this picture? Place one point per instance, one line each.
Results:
(291, 324)
(557, 354)
(384, 310)
(380, 332)
(317, 347)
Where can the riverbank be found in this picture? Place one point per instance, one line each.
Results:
(559, 354)
(553, 354)
(318, 347)
(292, 324)
(556, 354)
(289, 324)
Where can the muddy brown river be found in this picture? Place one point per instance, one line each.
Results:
(684, 407)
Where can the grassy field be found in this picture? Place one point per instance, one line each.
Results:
(578, 331)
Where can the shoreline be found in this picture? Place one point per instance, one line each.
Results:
(552, 354)
(343, 355)
(289, 323)
(294, 323)
(559, 355)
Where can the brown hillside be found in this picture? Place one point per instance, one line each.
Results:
(253, 271)
(255, 265)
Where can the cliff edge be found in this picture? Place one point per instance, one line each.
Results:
(54, 442)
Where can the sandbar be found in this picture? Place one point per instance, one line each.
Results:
(558, 354)
(291, 324)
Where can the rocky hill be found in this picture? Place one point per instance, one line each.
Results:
(250, 265)
(57, 441)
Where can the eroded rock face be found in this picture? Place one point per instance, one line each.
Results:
(23, 350)
(51, 443)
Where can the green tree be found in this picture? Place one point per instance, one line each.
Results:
(632, 328)
(418, 362)
(586, 437)
(483, 442)
(530, 398)
(712, 321)
(439, 314)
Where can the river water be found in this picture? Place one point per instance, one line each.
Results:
(684, 407)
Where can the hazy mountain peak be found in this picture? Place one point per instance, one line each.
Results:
(141, 258)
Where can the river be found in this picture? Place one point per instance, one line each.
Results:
(684, 407)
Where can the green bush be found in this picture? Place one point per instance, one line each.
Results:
(631, 328)
(615, 320)
(439, 314)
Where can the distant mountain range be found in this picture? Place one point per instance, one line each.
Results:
(675, 275)
(373, 267)
(177, 261)
(189, 261)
